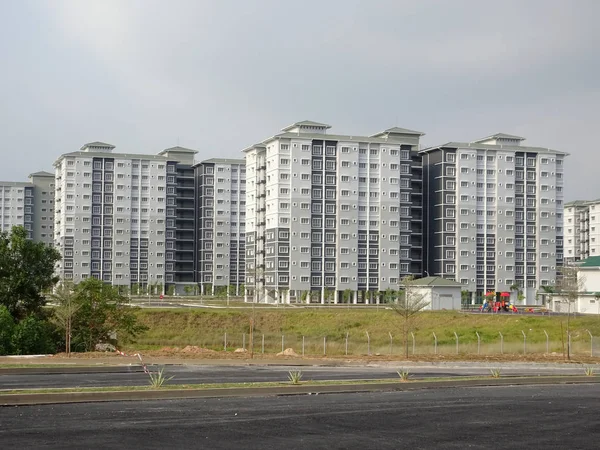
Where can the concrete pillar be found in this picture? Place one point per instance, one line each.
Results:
(378, 299)
(308, 297)
(322, 296)
(355, 297)
(336, 297)
(276, 296)
(245, 295)
(212, 290)
(370, 297)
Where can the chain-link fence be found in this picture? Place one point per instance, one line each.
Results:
(444, 342)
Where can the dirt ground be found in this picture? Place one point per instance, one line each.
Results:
(193, 354)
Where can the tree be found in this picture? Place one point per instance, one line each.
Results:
(102, 312)
(171, 291)
(347, 295)
(26, 270)
(389, 295)
(7, 325)
(65, 310)
(569, 287)
(409, 305)
(33, 336)
(188, 289)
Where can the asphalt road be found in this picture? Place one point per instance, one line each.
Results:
(526, 417)
(191, 374)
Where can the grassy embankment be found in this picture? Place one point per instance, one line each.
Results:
(178, 328)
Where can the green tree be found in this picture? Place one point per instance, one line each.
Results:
(188, 289)
(171, 291)
(33, 336)
(26, 270)
(102, 312)
(409, 305)
(65, 309)
(7, 326)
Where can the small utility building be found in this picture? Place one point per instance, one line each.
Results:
(439, 292)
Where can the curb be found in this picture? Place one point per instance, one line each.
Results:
(108, 396)
(71, 369)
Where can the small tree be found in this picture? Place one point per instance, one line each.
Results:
(171, 291)
(102, 312)
(409, 305)
(188, 289)
(389, 295)
(65, 310)
(347, 295)
(569, 287)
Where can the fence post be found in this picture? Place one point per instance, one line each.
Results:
(413, 339)
(263, 344)
(501, 342)
(391, 341)
(282, 343)
(547, 343)
(302, 346)
(434, 344)
(347, 334)
(324, 345)
(478, 343)
(456, 336)
(225, 342)
(368, 344)
(244, 341)
(524, 342)
(591, 343)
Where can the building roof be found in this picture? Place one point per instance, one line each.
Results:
(592, 261)
(221, 161)
(581, 203)
(501, 136)
(306, 123)
(334, 137)
(435, 281)
(112, 155)
(97, 144)
(178, 149)
(41, 174)
(403, 131)
(476, 145)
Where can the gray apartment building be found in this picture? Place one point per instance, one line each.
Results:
(493, 215)
(337, 216)
(221, 224)
(123, 218)
(582, 230)
(30, 205)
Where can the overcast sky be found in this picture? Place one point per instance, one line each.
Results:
(220, 75)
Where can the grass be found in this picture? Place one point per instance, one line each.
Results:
(403, 374)
(295, 376)
(589, 371)
(206, 328)
(158, 379)
(495, 373)
(244, 385)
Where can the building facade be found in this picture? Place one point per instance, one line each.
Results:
(30, 205)
(494, 215)
(221, 224)
(111, 212)
(332, 217)
(582, 230)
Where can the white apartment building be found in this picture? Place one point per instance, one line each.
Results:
(337, 216)
(494, 215)
(110, 215)
(221, 224)
(30, 205)
(12, 205)
(582, 230)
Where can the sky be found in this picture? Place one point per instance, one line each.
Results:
(218, 76)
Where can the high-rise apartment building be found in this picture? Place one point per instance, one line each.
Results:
(582, 230)
(221, 221)
(117, 216)
(494, 215)
(335, 215)
(42, 207)
(30, 205)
